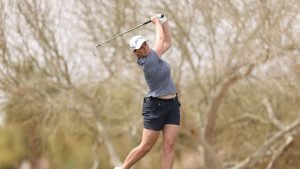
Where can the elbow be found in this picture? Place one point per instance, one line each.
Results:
(167, 45)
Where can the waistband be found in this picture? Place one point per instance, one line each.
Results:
(164, 100)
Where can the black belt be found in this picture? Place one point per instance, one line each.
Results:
(164, 100)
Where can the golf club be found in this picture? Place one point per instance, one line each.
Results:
(145, 23)
(162, 15)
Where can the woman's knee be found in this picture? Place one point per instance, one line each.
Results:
(169, 145)
(145, 147)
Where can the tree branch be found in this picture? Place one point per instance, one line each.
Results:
(271, 114)
(278, 153)
(254, 158)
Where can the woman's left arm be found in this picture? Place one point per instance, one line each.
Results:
(167, 35)
(163, 37)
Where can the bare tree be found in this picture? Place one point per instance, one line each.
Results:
(39, 73)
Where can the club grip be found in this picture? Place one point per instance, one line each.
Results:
(147, 22)
(161, 16)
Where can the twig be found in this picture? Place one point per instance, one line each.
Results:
(251, 117)
(271, 114)
(278, 153)
(95, 156)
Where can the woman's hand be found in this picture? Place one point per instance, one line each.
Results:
(155, 20)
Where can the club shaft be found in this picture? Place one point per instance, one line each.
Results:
(145, 23)
(123, 33)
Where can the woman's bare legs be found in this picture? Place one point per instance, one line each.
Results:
(170, 133)
(149, 138)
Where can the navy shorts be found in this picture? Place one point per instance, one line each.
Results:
(159, 112)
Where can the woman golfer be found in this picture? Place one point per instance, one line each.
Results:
(161, 105)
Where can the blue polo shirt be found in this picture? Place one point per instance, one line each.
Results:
(157, 73)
